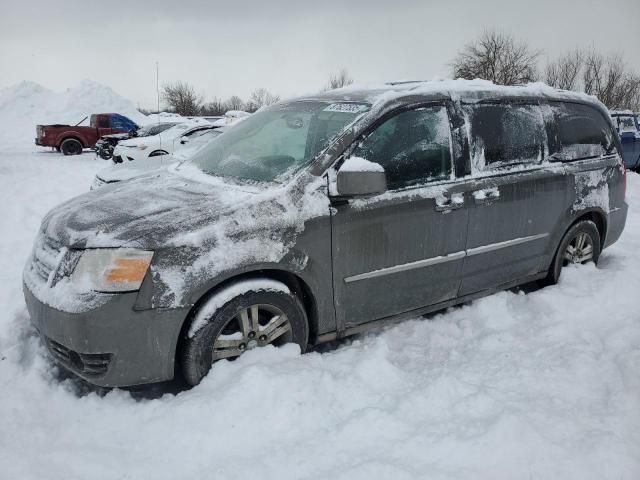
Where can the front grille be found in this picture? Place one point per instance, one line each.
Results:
(91, 364)
(46, 258)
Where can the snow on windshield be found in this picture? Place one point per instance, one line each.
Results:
(277, 140)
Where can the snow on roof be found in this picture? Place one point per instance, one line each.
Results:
(463, 89)
(621, 112)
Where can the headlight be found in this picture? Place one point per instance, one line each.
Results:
(112, 269)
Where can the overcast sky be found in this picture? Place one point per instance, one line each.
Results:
(289, 47)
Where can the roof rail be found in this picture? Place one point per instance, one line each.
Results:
(405, 82)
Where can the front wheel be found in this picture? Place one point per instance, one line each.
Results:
(581, 244)
(237, 319)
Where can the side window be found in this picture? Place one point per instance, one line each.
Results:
(504, 134)
(103, 121)
(196, 133)
(582, 131)
(413, 147)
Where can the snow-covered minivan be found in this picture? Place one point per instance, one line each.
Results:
(325, 216)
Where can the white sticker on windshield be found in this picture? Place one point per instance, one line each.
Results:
(346, 107)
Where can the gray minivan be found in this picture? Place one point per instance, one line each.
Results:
(321, 217)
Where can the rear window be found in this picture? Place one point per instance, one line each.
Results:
(582, 131)
(504, 134)
(122, 123)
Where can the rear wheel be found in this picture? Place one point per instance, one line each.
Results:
(71, 146)
(581, 244)
(252, 319)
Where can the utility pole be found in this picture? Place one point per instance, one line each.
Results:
(158, 89)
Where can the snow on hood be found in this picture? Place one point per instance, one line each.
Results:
(129, 170)
(158, 205)
(178, 205)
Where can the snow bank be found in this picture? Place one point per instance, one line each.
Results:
(542, 385)
(28, 104)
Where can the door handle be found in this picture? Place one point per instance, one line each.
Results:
(486, 195)
(445, 202)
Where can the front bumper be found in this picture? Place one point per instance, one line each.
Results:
(112, 345)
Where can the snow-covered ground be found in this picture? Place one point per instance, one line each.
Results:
(544, 385)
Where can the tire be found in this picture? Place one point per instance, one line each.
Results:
(71, 146)
(567, 252)
(204, 347)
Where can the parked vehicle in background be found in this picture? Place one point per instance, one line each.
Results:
(162, 143)
(105, 145)
(628, 125)
(71, 140)
(322, 217)
(231, 117)
(126, 171)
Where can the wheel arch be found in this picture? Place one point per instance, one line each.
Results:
(298, 286)
(597, 216)
(70, 137)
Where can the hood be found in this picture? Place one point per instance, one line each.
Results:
(129, 170)
(146, 212)
(135, 141)
(116, 136)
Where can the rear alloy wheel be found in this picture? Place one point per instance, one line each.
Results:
(71, 146)
(256, 318)
(580, 245)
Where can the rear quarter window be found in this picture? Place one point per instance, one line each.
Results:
(582, 131)
(505, 134)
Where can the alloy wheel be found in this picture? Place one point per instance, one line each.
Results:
(579, 250)
(252, 327)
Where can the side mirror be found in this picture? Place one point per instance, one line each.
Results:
(360, 177)
(184, 140)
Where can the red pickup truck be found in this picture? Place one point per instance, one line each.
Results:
(71, 140)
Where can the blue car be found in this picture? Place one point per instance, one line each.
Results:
(628, 126)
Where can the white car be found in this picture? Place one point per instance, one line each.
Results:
(231, 117)
(187, 147)
(161, 144)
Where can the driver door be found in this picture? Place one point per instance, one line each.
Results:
(403, 249)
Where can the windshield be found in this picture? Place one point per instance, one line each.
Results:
(154, 129)
(277, 140)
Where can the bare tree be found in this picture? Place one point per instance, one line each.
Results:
(261, 97)
(497, 57)
(338, 80)
(182, 98)
(564, 72)
(235, 103)
(605, 76)
(216, 107)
